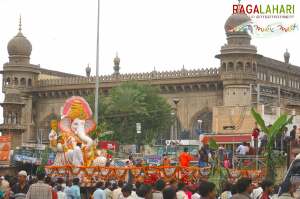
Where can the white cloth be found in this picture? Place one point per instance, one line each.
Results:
(129, 197)
(108, 193)
(226, 195)
(61, 195)
(133, 194)
(181, 195)
(196, 196)
(242, 150)
(116, 193)
(157, 195)
(256, 192)
(77, 156)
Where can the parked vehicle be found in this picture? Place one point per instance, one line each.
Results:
(292, 175)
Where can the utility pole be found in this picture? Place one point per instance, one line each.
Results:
(97, 67)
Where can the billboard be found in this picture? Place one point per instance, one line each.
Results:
(5, 145)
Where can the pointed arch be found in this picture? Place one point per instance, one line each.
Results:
(230, 67)
(205, 115)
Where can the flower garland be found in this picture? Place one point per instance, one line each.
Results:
(151, 173)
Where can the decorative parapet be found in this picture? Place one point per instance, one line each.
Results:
(12, 127)
(131, 76)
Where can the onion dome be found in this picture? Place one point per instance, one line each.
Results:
(19, 47)
(236, 20)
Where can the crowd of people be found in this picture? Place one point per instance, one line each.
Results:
(45, 187)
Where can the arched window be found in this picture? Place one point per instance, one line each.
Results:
(8, 118)
(239, 66)
(29, 82)
(13, 118)
(7, 82)
(223, 68)
(230, 67)
(23, 81)
(16, 81)
(248, 67)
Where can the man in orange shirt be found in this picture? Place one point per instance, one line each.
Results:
(185, 158)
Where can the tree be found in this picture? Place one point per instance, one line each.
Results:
(272, 131)
(131, 103)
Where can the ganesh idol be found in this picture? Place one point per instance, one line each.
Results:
(73, 144)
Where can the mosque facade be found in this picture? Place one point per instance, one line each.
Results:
(214, 99)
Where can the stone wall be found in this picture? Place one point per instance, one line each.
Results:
(193, 103)
(238, 116)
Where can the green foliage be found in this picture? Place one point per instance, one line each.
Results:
(218, 174)
(99, 131)
(40, 169)
(272, 158)
(259, 120)
(45, 156)
(213, 144)
(131, 103)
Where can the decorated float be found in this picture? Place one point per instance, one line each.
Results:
(78, 155)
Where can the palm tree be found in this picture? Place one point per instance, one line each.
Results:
(271, 131)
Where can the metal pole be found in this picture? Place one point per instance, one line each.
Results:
(256, 154)
(175, 136)
(288, 153)
(172, 132)
(176, 124)
(258, 93)
(97, 67)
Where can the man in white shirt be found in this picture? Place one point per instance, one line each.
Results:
(117, 192)
(242, 149)
(107, 190)
(256, 192)
(77, 155)
(127, 192)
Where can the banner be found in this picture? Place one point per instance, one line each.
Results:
(108, 145)
(5, 144)
(32, 156)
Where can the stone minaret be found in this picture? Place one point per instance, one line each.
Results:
(116, 65)
(238, 62)
(19, 77)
